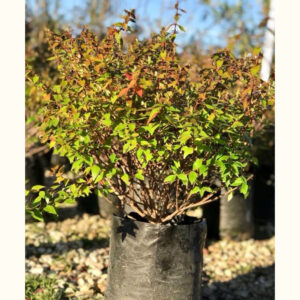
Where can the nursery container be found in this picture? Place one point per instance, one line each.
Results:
(236, 216)
(155, 261)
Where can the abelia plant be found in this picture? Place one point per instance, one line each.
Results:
(134, 125)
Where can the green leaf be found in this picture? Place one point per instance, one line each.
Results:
(237, 124)
(70, 201)
(52, 144)
(36, 188)
(35, 78)
(177, 164)
(230, 195)
(139, 154)
(88, 159)
(181, 28)
(107, 121)
(184, 137)
(125, 178)
(98, 193)
(77, 165)
(95, 171)
(244, 189)
(148, 155)
(113, 157)
(56, 89)
(211, 117)
(139, 175)
(237, 182)
(205, 189)
(109, 174)
(187, 151)
(204, 134)
(183, 178)
(170, 178)
(255, 70)
(131, 126)
(153, 114)
(235, 169)
(131, 144)
(50, 209)
(36, 214)
(126, 146)
(153, 142)
(219, 63)
(203, 170)
(163, 54)
(37, 200)
(195, 190)
(145, 143)
(86, 190)
(73, 189)
(87, 139)
(192, 177)
(118, 37)
(100, 177)
(197, 164)
(221, 165)
(151, 128)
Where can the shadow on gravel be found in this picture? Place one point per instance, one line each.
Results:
(61, 247)
(259, 284)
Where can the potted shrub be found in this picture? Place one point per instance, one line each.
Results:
(141, 133)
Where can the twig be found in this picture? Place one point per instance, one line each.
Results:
(203, 201)
(177, 194)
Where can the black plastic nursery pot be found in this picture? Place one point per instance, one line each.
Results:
(155, 261)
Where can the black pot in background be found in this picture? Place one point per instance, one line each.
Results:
(155, 261)
(236, 216)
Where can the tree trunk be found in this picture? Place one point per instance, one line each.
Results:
(268, 47)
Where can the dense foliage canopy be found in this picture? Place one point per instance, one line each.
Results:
(135, 125)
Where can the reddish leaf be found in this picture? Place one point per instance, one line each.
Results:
(139, 91)
(202, 96)
(132, 83)
(46, 97)
(151, 118)
(245, 104)
(111, 30)
(245, 92)
(123, 92)
(97, 68)
(128, 76)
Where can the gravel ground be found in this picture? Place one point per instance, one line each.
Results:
(68, 260)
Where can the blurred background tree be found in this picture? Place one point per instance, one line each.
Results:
(238, 24)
